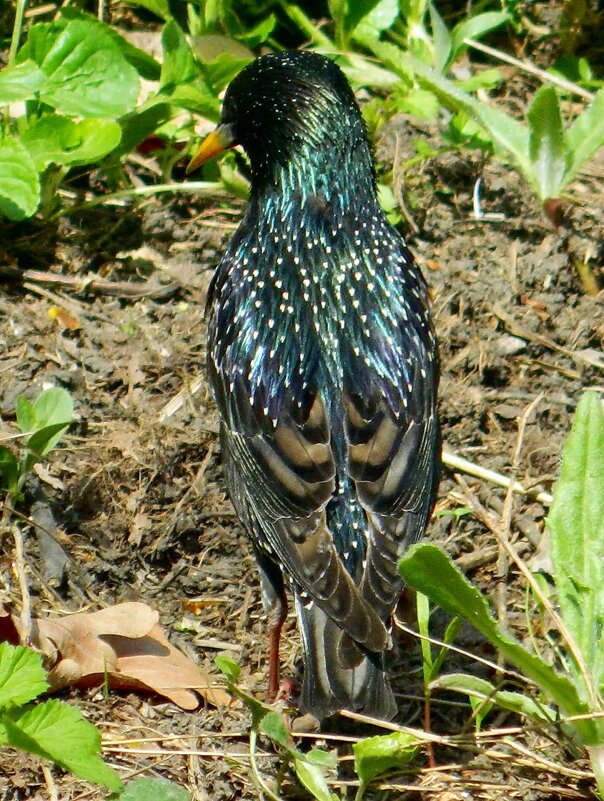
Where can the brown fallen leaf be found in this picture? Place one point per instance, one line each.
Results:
(125, 646)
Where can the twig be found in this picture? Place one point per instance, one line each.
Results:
(92, 283)
(50, 784)
(506, 517)
(519, 330)
(472, 469)
(475, 658)
(19, 565)
(528, 67)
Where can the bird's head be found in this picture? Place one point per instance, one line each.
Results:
(287, 107)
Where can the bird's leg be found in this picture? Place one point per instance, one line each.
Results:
(276, 618)
(274, 602)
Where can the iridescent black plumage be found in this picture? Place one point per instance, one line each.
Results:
(323, 361)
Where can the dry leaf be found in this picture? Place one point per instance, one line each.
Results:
(125, 646)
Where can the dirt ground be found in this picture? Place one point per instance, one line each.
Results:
(136, 489)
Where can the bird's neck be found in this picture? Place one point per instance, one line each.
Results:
(340, 180)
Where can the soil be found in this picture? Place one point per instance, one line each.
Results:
(136, 490)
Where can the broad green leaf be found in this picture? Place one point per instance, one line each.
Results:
(376, 755)
(179, 66)
(429, 570)
(160, 8)
(146, 66)
(475, 27)
(585, 135)
(9, 470)
(54, 139)
(548, 149)
(372, 17)
(26, 415)
(22, 677)
(312, 777)
(228, 667)
(19, 82)
(149, 788)
(54, 405)
(57, 731)
(195, 97)
(44, 439)
(46, 418)
(258, 34)
(86, 72)
(519, 703)
(19, 181)
(576, 527)
(274, 727)
(221, 71)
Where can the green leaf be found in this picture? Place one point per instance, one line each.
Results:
(474, 28)
(44, 439)
(441, 39)
(57, 731)
(86, 72)
(53, 139)
(228, 667)
(373, 17)
(585, 135)
(519, 703)
(431, 571)
(19, 181)
(312, 778)
(19, 82)
(9, 470)
(576, 527)
(22, 677)
(548, 150)
(54, 405)
(26, 414)
(221, 71)
(146, 66)
(376, 755)
(179, 64)
(47, 418)
(160, 8)
(148, 788)
(274, 727)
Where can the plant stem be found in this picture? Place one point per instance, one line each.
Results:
(12, 53)
(18, 24)
(262, 786)
(299, 18)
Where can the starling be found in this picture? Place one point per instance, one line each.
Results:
(323, 361)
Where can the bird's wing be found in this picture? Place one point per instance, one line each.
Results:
(282, 477)
(394, 445)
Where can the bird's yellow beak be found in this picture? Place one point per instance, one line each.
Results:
(216, 142)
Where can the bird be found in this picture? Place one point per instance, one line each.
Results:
(323, 361)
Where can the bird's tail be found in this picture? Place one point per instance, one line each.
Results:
(329, 686)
